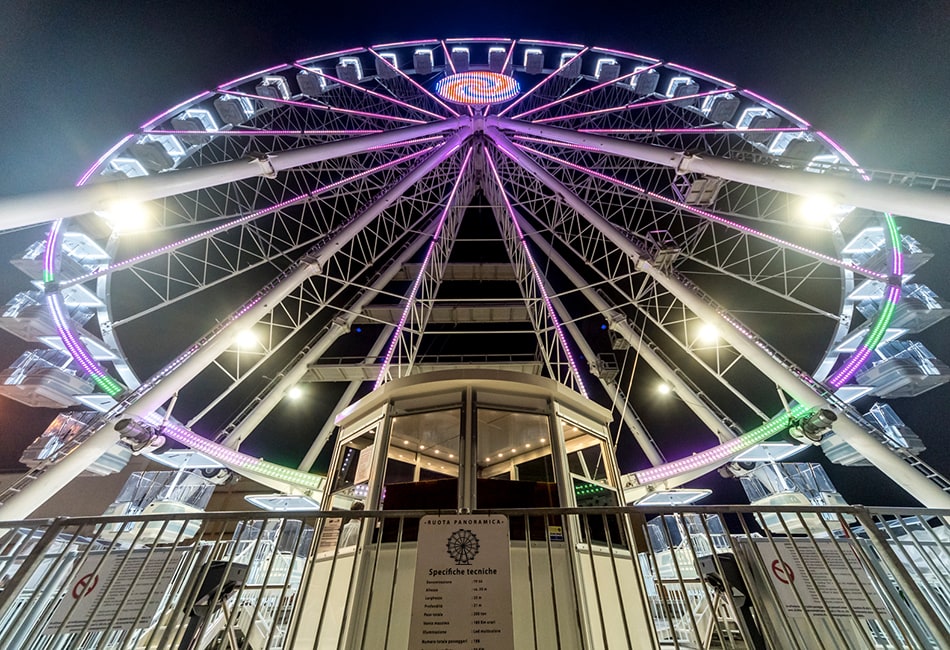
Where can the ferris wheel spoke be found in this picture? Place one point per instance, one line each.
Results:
(415, 84)
(371, 93)
(349, 253)
(572, 221)
(617, 274)
(451, 64)
(639, 104)
(247, 132)
(582, 93)
(564, 65)
(235, 222)
(326, 107)
(548, 326)
(705, 214)
(342, 265)
(407, 337)
(181, 275)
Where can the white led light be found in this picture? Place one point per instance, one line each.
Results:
(352, 61)
(389, 58)
(600, 66)
(675, 83)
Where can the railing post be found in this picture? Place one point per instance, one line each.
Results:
(30, 564)
(911, 591)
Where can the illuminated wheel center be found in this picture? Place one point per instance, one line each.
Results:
(478, 88)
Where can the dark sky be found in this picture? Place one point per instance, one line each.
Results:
(78, 76)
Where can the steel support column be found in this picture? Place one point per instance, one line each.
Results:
(863, 442)
(619, 324)
(32, 209)
(334, 331)
(206, 351)
(916, 203)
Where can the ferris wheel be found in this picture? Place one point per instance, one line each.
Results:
(604, 218)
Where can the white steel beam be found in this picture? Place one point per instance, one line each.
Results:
(863, 442)
(32, 209)
(927, 205)
(207, 350)
(337, 328)
(618, 323)
(323, 436)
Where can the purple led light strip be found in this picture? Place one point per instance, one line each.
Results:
(415, 84)
(405, 44)
(324, 107)
(774, 129)
(54, 302)
(247, 132)
(542, 82)
(89, 172)
(248, 77)
(232, 457)
(631, 106)
(703, 213)
(511, 53)
(448, 57)
(629, 55)
(775, 106)
(524, 41)
(451, 63)
(410, 299)
(372, 93)
(701, 75)
(552, 314)
(329, 55)
(174, 109)
(844, 154)
(479, 39)
(241, 220)
(583, 92)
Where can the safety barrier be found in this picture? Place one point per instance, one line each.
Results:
(690, 577)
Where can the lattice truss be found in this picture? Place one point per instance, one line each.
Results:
(703, 252)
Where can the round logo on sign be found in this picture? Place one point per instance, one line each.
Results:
(782, 572)
(85, 585)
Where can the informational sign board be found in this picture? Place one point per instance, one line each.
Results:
(462, 592)
(833, 570)
(120, 591)
(364, 465)
(329, 536)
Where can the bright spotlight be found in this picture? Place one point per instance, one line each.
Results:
(708, 333)
(821, 207)
(246, 340)
(125, 215)
(295, 393)
(664, 389)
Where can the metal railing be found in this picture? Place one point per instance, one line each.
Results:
(690, 577)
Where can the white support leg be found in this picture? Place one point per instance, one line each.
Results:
(863, 442)
(205, 352)
(927, 205)
(335, 330)
(32, 209)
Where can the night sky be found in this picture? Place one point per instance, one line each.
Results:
(872, 75)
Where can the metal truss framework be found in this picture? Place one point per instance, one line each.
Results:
(288, 200)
